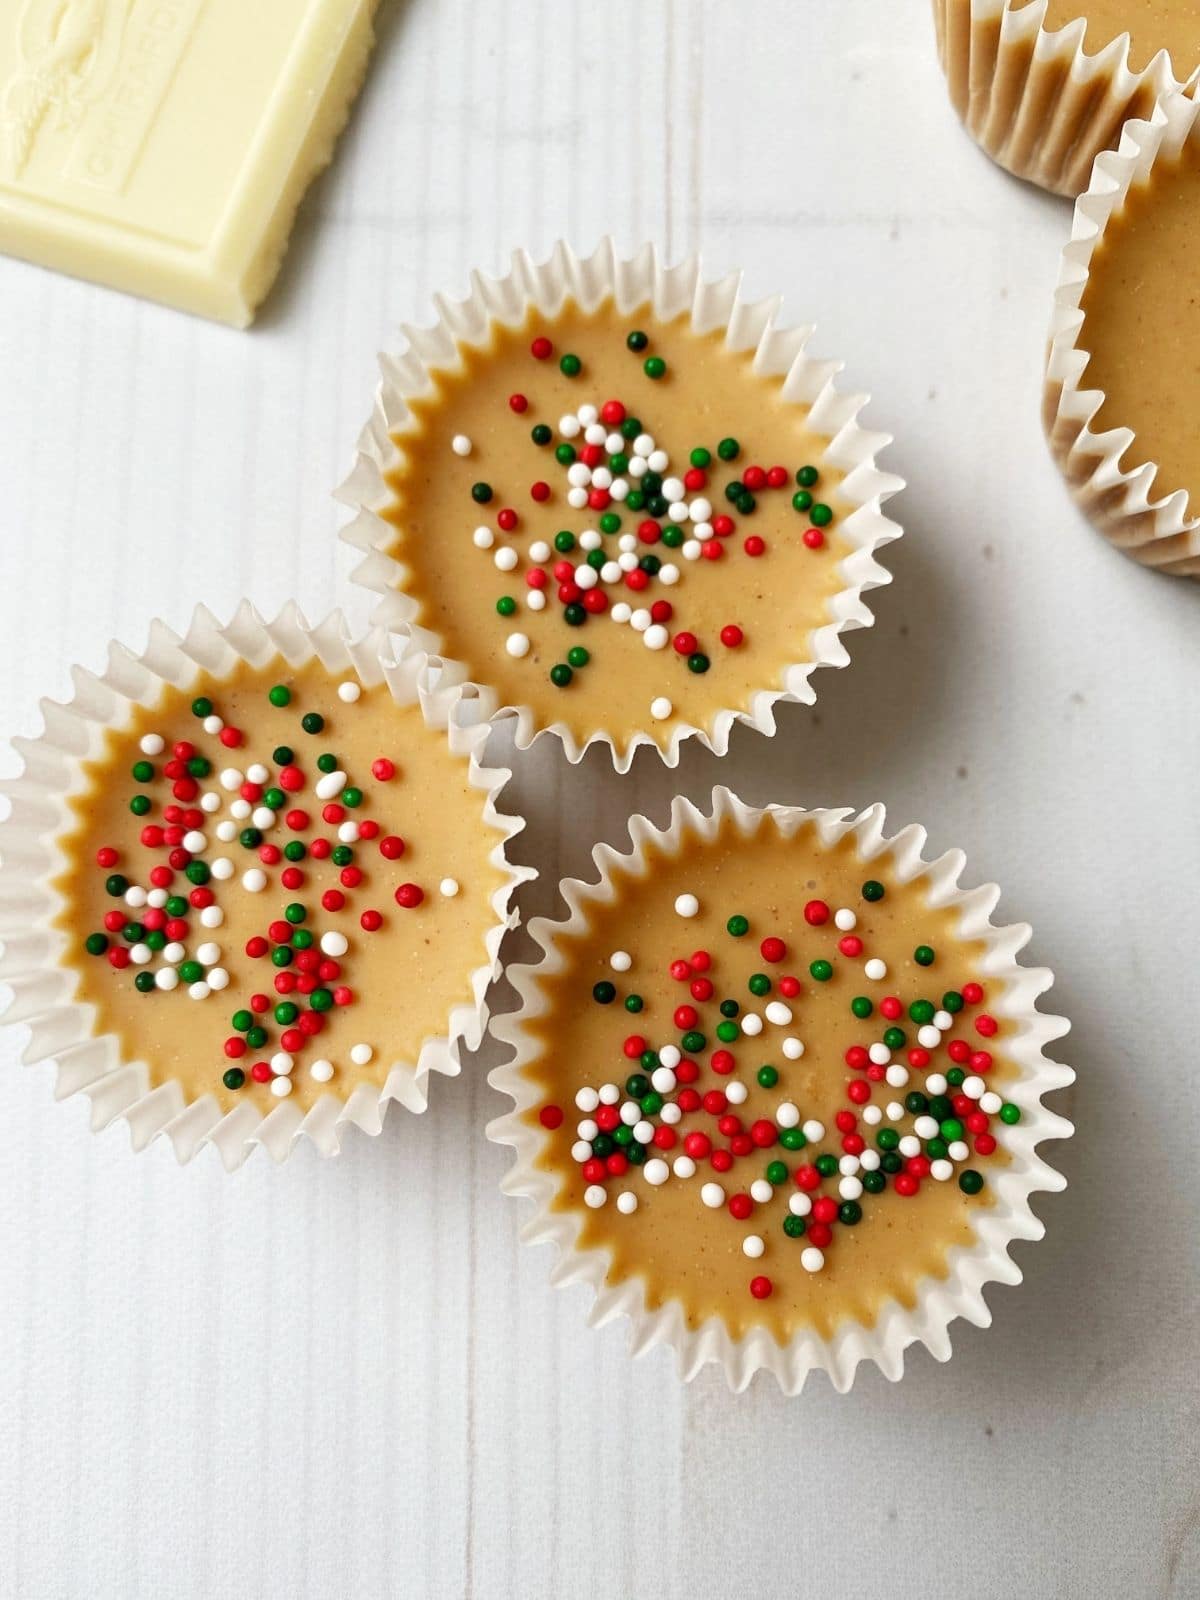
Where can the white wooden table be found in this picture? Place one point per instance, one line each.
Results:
(349, 1378)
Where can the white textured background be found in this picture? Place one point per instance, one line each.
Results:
(348, 1378)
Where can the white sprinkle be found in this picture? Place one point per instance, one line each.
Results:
(257, 773)
(942, 1020)
(198, 991)
(330, 784)
(483, 538)
(334, 943)
(448, 888)
(872, 1115)
(926, 1127)
(587, 1099)
(226, 831)
(848, 1165)
(703, 530)
(897, 1076)
(941, 1170)
(910, 1145)
(152, 744)
(349, 691)
(686, 905)
(672, 488)
(210, 800)
(656, 1172)
(139, 954)
(627, 560)
(700, 510)
(678, 511)
(929, 1037)
(581, 1151)
(135, 896)
(643, 444)
(935, 1083)
(990, 1102)
(536, 599)
(671, 1055)
(569, 426)
(627, 1202)
(360, 1054)
(786, 1114)
(621, 612)
(627, 542)
(875, 969)
(321, 1070)
(895, 1111)
(620, 961)
(173, 952)
(282, 1062)
(212, 724)
(586, 577)
(461, 445)
(879, 1053)
(845, 919)
(793, 1049)
(643, 1131)
(712, 1195)
(753, 1246)
(158, 898)
(166, 978)
(610, 572)
(800, 1204)
(690, 549)
(631, 1113)
(850, 1188)
(517, 645)
(587, 414)
(668, 573)
(870, 1159)
(230, 778)
(683, 1166)
(659, 460)
(589, 539)
(595, 1196)
(973, 1087)
(778, 1013)
(656, 637)
(254, 881)
(811, 1259)
(661, 708)
(208, 955)
(602, 478)
(620, 489)
(735, 1093)
(752, 1024)
(662, 1081)
(614, 443)
(221, 868)
(348, 832)
(578, 475)
(813, 1130)
(281, 1087)
(609, 1094)
(761, 1191)
(539, 551)
(217, 978)
(506, 559)
(263, 817)
(671, 1114)
(577, 498)
(587, 1129)
(958, 1150)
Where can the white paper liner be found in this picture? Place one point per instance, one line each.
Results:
(671, 291)
(1035, 100)
(972, 1268)
(62, 1029)
(1161, 533)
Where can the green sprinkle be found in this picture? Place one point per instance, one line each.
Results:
(923, 955)
(698, 662)
(807, 476)
(256, 1037)
(873, 890)
(143, 772)
(144, 982)
(116, 885)
(313, 722)
(577, 656)
(250, 838)
(792, 1139)
(1010, 1114)
(727, 1032)
(95, 944)
(894, 1038)
(275, 799)
(970, 1181)
(768, 1077)
(793, 1226)
(850, 1212)
(887, 1139)
(302, 939)
(286, 1013)
(916, 1104)
(191, 972)
(540, 433)
(176, 906)
(564, 454)
(700, 457)
(295, 850)
(729, 449)
(140, 804)
(821, 515)
(861, 1006)
(321, 999)
(821, 971)
(951, 1130)
(655, 367)
(651, 1103)
(281, 956)
(874, 1182)
(283, 755)
(604, 993)
(352, 797)
(956, 1077)
(295, 912)
(921, 1012)
(327, 762)
(672, 536)
(280, 695)
(561, 675)
(506, 605)
(759, 984)
(738, 926)
(481, 493)
(132, 932)
(776, 1172)
(570, 366)
(952, 1001)
(233, 1078)
(637, 1085)
(637, 340)
(610, 522)
(341, 855)
(826, 1165)
(693, 1041)
(630, 428)
(574, 615)
(202, 706)
(801, 500)
(634, 1002)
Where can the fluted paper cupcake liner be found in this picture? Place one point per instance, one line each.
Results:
(61, 1028)
(671, 291)
(1163, 533)
(971, 1268)
(1036, 101)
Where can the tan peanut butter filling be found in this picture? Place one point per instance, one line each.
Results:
(1141, 328)
(778, 1182)
(180, 857)
(1153, 25)
(596, 570)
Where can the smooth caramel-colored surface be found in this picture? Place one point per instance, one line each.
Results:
(1141, 324)
(405, 977)
(679, 1249)
(709, 393)
(1153, 25)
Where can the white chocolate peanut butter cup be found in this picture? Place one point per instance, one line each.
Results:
(214, 887)
(831, 1167)
(637, 542)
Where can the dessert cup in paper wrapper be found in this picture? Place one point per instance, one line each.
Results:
(1036, 100)
(634, 282)
(971, 1268)
(1163, 532)
(62, 1028)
